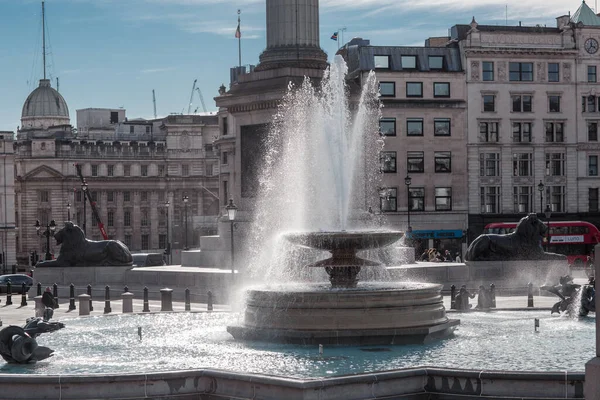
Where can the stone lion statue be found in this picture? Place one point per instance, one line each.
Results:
(523, 244)
(77, 251)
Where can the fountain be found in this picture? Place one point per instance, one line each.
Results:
(330, 164)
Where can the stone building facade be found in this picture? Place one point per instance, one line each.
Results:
(8, 233)
(423, 121)
(133, 168)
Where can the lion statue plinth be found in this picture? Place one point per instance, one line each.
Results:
(77, 251)
(522, 244)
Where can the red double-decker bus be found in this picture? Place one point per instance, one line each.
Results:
(575, 239)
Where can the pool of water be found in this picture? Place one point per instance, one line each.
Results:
(496, 340)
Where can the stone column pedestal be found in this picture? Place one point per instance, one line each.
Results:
(127, 302)
(84, 304)
(166, 299)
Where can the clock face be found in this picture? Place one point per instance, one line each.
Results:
(591, 45)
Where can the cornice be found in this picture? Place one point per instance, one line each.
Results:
(522, 51)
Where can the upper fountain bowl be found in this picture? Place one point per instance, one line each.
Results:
(343, 240)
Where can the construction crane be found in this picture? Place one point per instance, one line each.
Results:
(88, 196)
(154, 101)
(192, 97)
(201, 100)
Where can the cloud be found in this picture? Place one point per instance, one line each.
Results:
(156, 70)
(222, 28)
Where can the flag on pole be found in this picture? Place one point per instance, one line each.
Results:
(334, 36)
(238, 33)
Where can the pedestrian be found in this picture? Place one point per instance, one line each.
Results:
(457, 258)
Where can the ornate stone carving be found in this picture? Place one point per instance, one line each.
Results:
(567, 72)
(541, 71)
(501, 70)
(474, 70)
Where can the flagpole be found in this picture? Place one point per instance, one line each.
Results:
(239, 41)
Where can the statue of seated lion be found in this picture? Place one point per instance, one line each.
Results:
(522, 244)
(77, 251)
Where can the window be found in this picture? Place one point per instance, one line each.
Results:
(415, 161)
(443, 199)
(127, 196)
(94, 170)
(441, 89)
(489, 164)
(443, 161)
(592, 165)
(414, 89)
(488, 70)
(387, 126)
(592, 77)
(162, 241)
(387, 89)
(110, 196)
(145, 221)
(593, 199)
(110, 169)
(145, 242)
(521, 132)
(441, 127)
(556, 195)
(127, 218)
(224, 158)
(588, 103)
(388, 200)
(409, 62)
(522, 164)
(225, 128)
(416, 199)
(521, 103)
(490, 199)
(388, 161)
(45, 196)
(126, 170)
(555, 164)
(147, 129)
(489, 103)
(94, 195)
(161, 170)
(127, 240)
(520, 71)
(553, 72)
(523, 199)
(209, 170)
(436, 62)
(78, 195)
(114, 117)
(592, 131)
(553, 103)
(131, 129)
(185, 170)
(414, 127)
(554, 131)
(110, 218)
(488, 132)
(382, 62)
(144, 170)
(143, 195)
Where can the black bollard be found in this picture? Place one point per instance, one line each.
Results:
(209, 301)
(23, 295)
(530, 294)
(107, 308)
(8, 293)
(126, 289)
(188, 306)
(453, 297)
(55, 294)
(146, 303)
(492, 295)
(71, 297)
(89, 292)
(39, 289)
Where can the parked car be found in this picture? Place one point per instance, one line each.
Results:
(148, 259)
(16, 282)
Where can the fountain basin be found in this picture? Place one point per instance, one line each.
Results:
(403, 313)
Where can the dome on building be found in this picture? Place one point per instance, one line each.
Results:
(45, 102)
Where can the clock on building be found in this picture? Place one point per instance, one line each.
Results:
(591, 45)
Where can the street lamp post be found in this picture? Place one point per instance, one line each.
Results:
(541, 190)
(50, 228)
(407, 182)
(185, 206)
(68, 211)
(231, 210)
(84, 188)
(548, 213)
(167, 204)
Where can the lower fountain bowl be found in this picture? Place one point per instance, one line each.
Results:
(403, 313)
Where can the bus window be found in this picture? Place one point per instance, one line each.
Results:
(578, 230)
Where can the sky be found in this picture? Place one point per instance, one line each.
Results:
(113, 53)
